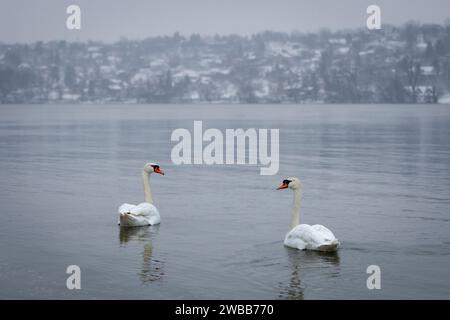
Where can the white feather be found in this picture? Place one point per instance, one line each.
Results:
(143, 214)
(316, 237)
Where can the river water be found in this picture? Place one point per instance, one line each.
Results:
(376, 175)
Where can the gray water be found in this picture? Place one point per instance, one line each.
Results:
(378, 176)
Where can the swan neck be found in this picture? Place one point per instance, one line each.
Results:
(296, 209)
(147, 191)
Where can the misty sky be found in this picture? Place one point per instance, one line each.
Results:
(108, 20)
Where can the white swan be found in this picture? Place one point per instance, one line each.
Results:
(145, 213)
(304, 236)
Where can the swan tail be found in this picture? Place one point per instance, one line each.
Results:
(329, 246)
(128, 220)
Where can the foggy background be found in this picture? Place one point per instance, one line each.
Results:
(205, 51)
(106, 20)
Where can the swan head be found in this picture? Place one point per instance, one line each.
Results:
(292, 183)
(153, 168)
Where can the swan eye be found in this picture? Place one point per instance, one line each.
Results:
(286, 182)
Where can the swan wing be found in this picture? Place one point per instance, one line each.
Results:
(324, 232)
(149, 211)
(126, 208)
(299, 237)
(294, 242)
(315, 237)
(143, 214)
(144, 209)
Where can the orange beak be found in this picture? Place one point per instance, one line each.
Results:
(282, 186)
(158, 170)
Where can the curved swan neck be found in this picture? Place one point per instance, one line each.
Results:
(147, 191)
(296, 209)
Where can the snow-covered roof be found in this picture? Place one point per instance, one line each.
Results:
(338, 41)
(427, 70)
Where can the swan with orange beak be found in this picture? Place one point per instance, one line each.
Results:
(145, 213)
(304, 236)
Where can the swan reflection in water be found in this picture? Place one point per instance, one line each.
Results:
(152, 267)
(298, 262)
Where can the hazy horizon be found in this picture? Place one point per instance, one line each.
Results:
(106, 21)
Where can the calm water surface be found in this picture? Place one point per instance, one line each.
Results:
(378, 176)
